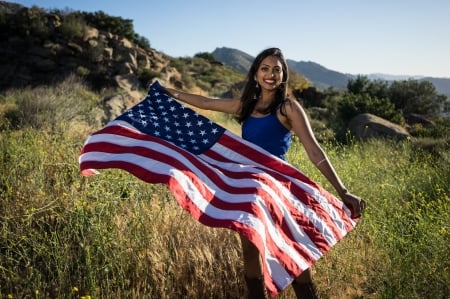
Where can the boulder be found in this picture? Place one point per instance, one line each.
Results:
(365, 126)
(413, 118)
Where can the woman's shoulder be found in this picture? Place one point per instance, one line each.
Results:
(290, 105)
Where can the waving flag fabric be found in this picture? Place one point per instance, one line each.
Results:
(223, 181)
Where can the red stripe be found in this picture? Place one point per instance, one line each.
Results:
(301, 194)
(137, 171)
(271, 163)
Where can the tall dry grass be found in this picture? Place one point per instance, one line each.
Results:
(113, 236)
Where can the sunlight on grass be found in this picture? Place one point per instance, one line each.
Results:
(113, 236)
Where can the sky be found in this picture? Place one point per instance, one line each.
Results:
(395, 37)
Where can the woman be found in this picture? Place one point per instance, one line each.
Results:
(265, 110)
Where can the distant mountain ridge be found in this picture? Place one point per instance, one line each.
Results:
(320, 76)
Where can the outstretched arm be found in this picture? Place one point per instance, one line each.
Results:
(302, 128)
(231, 106)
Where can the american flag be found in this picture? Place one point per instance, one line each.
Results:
(223, 181)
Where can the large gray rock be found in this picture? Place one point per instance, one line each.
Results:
(367, 125)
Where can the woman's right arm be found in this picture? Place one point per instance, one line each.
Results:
(231, 106)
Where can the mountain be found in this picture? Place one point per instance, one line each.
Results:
(320, 76)
(237, 59)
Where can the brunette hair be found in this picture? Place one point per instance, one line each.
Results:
(251, 91)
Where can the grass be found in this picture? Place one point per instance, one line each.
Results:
(112, 236)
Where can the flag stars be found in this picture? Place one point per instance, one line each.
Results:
(163, 117)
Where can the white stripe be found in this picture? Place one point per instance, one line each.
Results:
(236, 156)
(300, 206)
(158, 166)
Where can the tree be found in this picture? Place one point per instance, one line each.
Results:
(374, 88)
(351, 105)
(413, 96)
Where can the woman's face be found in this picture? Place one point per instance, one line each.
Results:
(269, 73)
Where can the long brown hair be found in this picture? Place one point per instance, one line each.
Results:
(251, 91)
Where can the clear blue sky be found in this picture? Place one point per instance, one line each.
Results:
(398, 37)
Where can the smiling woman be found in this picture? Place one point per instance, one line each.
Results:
(268, 119)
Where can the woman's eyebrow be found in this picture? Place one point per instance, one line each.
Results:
(276, 65)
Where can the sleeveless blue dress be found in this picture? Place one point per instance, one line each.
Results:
(268, 133)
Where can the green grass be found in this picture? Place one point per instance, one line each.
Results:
(112, 236)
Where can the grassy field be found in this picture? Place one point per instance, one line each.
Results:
(112, 236)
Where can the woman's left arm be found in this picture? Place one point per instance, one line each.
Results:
(300, 124)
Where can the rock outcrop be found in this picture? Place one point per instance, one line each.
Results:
(367, 125)
(39, 47)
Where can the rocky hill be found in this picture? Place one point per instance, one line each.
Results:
(41, 47)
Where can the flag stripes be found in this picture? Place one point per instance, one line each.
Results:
(290, 219)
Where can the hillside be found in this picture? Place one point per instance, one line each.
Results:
(40, 47)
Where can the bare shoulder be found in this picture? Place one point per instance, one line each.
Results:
(293, 108)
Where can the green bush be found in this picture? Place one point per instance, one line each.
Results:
(353, 104)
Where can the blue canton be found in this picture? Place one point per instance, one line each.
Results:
(163, 117)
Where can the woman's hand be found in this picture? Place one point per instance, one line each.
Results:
(356, 204)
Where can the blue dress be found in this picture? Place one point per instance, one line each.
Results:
(269, 133)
